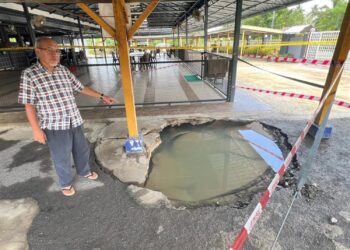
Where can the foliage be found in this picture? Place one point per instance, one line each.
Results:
(330, 18)
(260, 51)
(323, 18)
(283, 18)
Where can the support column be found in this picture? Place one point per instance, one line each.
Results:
(2, 34)
(173, 37)
(104, 49)
(205, 25)
(210, 41)
(227, 42)
(186, 32)
(93, 44)
(242, 45)
(339, 57)
(178, 36)
(71, 41)
(19, 38)
(82, 38)
(125, 71)
(234, 61)
(29, 23)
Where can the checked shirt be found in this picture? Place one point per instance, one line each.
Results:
(53, 96)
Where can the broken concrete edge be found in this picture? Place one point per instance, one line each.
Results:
(134, 169)
(151, 199)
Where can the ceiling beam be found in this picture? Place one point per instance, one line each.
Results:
(142, 17)
(98, 19)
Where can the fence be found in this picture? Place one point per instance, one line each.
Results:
(323, 52)
(162, 81)
(320, 51)
(13, 59)
(212, 68)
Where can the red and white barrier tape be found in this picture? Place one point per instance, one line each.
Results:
(291, 59)
(294, 95)
(254, 217)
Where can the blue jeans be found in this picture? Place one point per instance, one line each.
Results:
(64, 143)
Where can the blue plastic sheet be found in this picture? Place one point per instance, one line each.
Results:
(265, 147)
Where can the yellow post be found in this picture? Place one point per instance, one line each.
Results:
(339, 57)
(125, 71)
(242, 45)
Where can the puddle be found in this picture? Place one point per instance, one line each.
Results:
(211, 163)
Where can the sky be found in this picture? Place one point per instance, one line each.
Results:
(320, 3)
(308, 5)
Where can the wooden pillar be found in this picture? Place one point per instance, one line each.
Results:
(125, 70)
(339, 57)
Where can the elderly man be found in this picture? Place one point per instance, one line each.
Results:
(47, 90)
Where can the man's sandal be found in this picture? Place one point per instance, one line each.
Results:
(68, 191)
(92, 176)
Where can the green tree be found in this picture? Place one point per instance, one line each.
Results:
(331, 18)
(283, 18)
(323, 18)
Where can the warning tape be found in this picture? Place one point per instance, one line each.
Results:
(294, 43)
(291, 59)
(189, 47)
(294, 95)
(254, 217)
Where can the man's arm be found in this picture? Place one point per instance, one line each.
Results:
(91, 92)
(38, 133)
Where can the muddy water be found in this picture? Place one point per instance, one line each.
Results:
(196, 163)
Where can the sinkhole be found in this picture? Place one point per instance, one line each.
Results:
(217, 162)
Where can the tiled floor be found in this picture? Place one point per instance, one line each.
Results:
(163, 83)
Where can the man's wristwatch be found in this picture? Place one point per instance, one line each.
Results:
(101, 96)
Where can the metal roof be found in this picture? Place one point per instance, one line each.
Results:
(169, 13)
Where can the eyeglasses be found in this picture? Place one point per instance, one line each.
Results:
(51, 51)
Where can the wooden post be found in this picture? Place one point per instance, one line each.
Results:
(339, 57)
(125, 71)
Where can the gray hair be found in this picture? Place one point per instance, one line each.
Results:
(39, 42)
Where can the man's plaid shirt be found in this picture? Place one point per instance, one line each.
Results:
(53, 96)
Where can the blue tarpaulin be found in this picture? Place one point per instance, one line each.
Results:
(265, 147)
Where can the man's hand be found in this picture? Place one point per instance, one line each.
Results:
(104, 98)
(38, 133)
(108, 100)
(39, 136)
